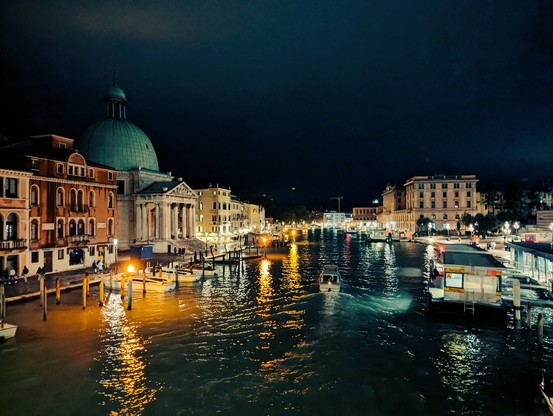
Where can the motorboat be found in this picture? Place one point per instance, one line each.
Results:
(330, 279)
(548, 399)
(7, 330)
(204, 270)
(153, 283)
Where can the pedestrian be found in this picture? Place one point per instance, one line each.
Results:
(40, 271)
(95, 266)
(100, 266)
(25, 273)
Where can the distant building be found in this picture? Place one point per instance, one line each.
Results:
(333, 219)
(441, 198)
(221, 217)
(155, 208)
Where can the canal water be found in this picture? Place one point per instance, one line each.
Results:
(265, 342)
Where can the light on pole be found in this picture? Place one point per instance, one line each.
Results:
(115, 241)
(516, 226)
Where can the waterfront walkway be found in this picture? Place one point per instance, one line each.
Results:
(23, 290)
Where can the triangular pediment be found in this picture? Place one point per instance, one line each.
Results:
(182, 189)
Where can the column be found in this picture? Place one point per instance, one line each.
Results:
(137, 223)
(175, 220)
(183, 221)
(145, 229)
(192, 209)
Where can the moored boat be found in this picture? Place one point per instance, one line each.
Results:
(7, 330)
(330, 279)
(153, 283)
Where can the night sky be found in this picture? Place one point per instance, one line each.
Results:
(298, 100)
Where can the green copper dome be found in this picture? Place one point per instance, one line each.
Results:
(117, 142)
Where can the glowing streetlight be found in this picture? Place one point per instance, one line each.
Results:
(115, 241)
(130, 268)
(516, 226)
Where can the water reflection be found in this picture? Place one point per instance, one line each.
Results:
(122, 376)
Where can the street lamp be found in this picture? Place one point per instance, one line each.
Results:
(516, 226)
(471, 229)
(447, 228)
(115, 241)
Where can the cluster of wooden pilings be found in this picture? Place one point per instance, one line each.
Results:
(517, 308)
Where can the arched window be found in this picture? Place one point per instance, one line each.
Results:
(91, 200)
(60, 197)
(73, 199)
(110, 200)
(11, 227)
(110, 226)
(80, 200)
(59, 230)
(214, 205)
(80, 227)
(34, 195)
(201, 205)
(72, 227)
(91, 227)
(34, 230)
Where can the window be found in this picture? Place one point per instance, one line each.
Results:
(444, 194)
(456, 185)
(11, 227)
(34, 195)
(62, 146)
(444, 185)
(120, 187)
(34, 256)
(80, 227)
(60, 197)
(91, 173)
(421, 204)
(468, 204)
(110, 176)
(91, 200)
(445, 204)
(433, 204)
(60, 168)
(59, 229)
(110, 200)
(91, 251)
(72, 228)
(90, 226)
(456, 194)
(468, 194)
(432, 186)
(110, 226)
(60, 254)
(469, 185)
(11, 188)
(34, 164)
(80, 200)
(73, 199)
(34, 230)
(201, 205)
(432, 194)
(214, 205)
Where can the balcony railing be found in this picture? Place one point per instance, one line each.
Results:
(13, 244)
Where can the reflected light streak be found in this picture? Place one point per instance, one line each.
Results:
(123, 369)
(461, 362)
(264, 298)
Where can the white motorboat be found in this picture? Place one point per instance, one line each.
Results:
(7, 330)
(153, 283)
(330, 279)
(204, 270)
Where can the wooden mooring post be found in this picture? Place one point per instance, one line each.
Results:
(516, 299)
(540, 330)
(58, 291)
(129, 296)
(101, 293)
(84, 291)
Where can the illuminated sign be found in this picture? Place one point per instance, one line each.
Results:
(454, 279)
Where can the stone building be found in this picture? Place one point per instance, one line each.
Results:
(441, 198)
(155, 208)
(70, 206)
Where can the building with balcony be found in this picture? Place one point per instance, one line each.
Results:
(14, 220)
(70, 203)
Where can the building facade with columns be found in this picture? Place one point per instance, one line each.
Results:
(154, 207)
